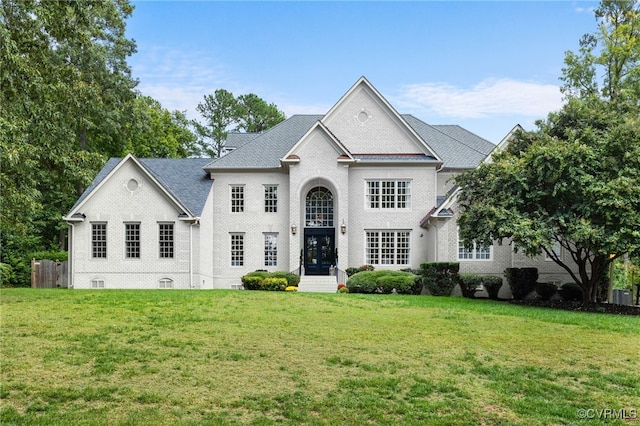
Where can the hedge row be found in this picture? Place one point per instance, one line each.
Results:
(270, 281)
(471, 283)
(384, 282)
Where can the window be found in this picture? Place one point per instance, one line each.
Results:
(165, 283)
(99, 240)
(388, 247)
(388, 194)
(132, 240)
(270, 198)
(237, 249)
(556, 248)
(474, 253)
(165, 239)
(319, 207)
(237, 199)
(270, 249)
(97, 283)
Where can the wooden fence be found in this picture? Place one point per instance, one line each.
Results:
(49, 273)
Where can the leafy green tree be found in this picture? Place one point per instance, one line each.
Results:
(65, 89)
(220, 111)
(575, 181)
(156, 132)
(223, 112)
(255, 115)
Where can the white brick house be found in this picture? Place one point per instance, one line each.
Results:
(358, 185)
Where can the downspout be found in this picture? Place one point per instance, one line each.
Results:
(191, 255)
(71, 256)
(195, 222)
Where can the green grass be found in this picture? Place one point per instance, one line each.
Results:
(239, 357)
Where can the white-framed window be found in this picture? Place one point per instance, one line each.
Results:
(271, 198)
(270, 249)
(165, 283)
(388, 247)
(99, 240)
(237, 198)
(97, 283)
(132, 240)
(556, 248)
(477, 252)
(388, 194)
(237, 249)
(165, 240)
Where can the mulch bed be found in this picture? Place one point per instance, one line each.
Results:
(601, 308)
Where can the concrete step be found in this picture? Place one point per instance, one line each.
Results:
(318, 284)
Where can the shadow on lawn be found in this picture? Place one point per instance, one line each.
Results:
(601, 308)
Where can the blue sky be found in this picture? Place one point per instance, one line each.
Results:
(486, 66)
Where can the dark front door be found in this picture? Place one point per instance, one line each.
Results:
(319, 250)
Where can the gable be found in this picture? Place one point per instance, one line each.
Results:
(366, 123)
(182, 182)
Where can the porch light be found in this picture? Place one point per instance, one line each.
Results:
(343, 228)
(294, 229)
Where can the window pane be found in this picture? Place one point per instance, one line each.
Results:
(237, 199)
(373, 194)
(319, 207)
(165, 238)
(388, 194)
(99, 240)
(373, 249)
(270, 249)
(403, 243)
(132, 240)
(237, 249)
(270, 198)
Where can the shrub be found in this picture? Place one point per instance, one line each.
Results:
(522, 281)
(256, 280)
(570, 292)
(273, 284)
(343, 290)
(6, 275)
(292, 279)
(252, 281)
(546, 290)
(440, 277)
(363, 268)
(470, 284)
(341, 286)
(381, 282)
(291, 288)
(492, 284)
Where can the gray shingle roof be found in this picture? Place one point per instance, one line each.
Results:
(458, 148)
(184, 178)
(266, 150)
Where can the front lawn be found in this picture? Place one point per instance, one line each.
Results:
(240, 357)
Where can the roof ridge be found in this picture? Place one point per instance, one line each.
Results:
(452, 137)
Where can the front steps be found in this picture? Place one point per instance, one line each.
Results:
(318, 284)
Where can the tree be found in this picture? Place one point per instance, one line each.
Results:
(575, 181)
(65, 89)
(255, 115)
(223, 112)
(155, 132)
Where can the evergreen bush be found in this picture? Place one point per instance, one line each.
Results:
(546, 290)
(570, 292)
(384, 282)
(469, 284)
(492, 284)
(440, 277)
(522, 281)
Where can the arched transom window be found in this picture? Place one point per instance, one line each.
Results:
(319, 207)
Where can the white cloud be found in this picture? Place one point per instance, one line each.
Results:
(486, 99)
